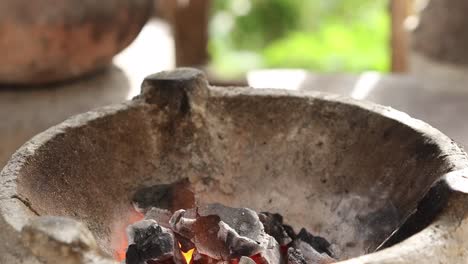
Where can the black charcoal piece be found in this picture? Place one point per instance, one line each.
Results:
(273, 224)
(171, 197)
(149, 241)
(320, 244)
(132, 256)
(295, 256)
(290, 231)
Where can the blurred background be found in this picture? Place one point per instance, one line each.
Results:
(61, 58)
(317, 35)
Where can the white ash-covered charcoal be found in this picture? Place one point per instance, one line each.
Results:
(273, 225)
(148, 241)
(295, 256)
(314, 249)
(320, 244)
(225, 233)
(172, 197)
(203, 232)
(312, 256)
(246, 260)
(161, 216)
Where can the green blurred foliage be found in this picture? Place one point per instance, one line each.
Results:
(319, 35)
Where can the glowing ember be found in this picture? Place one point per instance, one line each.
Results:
(220, 234)
(119, 239)
(187, 255)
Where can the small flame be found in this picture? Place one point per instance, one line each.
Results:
(187, 255)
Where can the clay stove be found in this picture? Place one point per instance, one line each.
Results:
(363, 176)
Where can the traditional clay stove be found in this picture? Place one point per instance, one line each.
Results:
(362, 176)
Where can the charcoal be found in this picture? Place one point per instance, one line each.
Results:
(273, 224)
(320, 244)
(167, 261)
(290, 231)
(149, 241)
(224, 233)
(242, 220)
(239, 245)
(311, 255)
(184, 243)
(132, 256)
(203, 259)
(171, 197)
(161, 216)
(203, 232)
(295, 256)
(246, 260)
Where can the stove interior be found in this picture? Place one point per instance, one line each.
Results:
(338, 170)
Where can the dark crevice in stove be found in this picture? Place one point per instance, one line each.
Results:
(26, 203)
(428, 208)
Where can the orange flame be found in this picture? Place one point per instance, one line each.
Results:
(119, 236)
(187, 255)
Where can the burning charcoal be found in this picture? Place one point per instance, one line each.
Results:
(203, 259)
(224, 233)
(171, 197)
(290, 231)
(246, 260)
(184, 243)
(320, 244)
(309, 253)
(149, 241)
(243, 220)
(183, 248)
(167, 261)
(273, 224)
(239, 245)
(203, 232)
(295, 256)
(161, 216)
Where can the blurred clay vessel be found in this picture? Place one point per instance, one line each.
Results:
(44, 41)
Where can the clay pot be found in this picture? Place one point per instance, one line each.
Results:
(54, 40)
